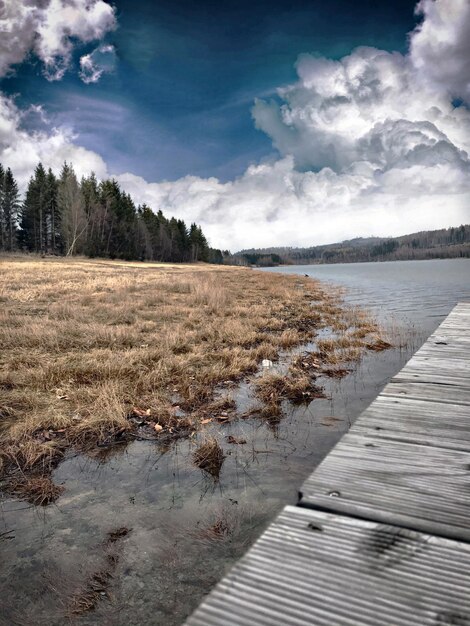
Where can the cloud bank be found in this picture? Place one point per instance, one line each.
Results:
(371, 144)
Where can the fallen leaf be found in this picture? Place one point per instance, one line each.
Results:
(158, 428)
(206, 421)
(222, 418)
(232, 439)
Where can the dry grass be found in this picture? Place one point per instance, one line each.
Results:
(209, 457)
(295, 386)
(97, 352)
(39, 490)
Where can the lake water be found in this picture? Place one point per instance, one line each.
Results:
(170, 560)
(419, 293)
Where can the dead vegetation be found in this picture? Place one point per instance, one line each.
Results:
(296, 387)
(39, 490)
(94, 354)
(97, 584)
(209, 457)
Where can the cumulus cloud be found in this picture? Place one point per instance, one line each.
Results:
(48, 28)
(94, 65)
(369, 106)
(22, 150)
(440, 45)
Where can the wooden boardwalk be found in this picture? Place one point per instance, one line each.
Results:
(381, 534)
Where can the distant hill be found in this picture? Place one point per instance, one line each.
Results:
(430, 244)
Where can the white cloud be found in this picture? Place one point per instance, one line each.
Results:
(22, 150)
(370, 106)
(96, 63)
(369, 145)
(274, 204)
(440, 46)
(47, 28)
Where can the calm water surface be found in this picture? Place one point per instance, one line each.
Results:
(418, 293)
(170, 561)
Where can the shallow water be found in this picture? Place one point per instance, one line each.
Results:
(171, 559)
(417, 293)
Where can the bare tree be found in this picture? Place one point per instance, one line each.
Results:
(72, 209)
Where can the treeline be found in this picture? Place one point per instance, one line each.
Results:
(64, 216)
(256, 258)
(434, 244)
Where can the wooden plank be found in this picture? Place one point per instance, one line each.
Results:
(438, 365)
(424, 390)
(421, 486)
(453, 352)
(310, 567)
(428, 423)
(433, 378)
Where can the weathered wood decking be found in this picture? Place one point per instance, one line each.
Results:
(382, 531)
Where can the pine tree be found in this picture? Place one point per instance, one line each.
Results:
(40, 176)
(64, 216)
(10, 205)
(95, 216)
(2, 219)
(33, 214)
(147, 232)
(198, 243)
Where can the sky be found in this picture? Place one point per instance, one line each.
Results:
(280, 123)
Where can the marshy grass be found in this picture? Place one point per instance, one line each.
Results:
(294, 386)
(38, 490)
(94, 353)
(209, 457)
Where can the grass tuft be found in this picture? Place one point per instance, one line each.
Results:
(39, 490)
(209, 457)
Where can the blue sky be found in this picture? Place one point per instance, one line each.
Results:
(276, 123)
(179, 99)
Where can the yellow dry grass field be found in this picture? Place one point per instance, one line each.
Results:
(92, 350)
